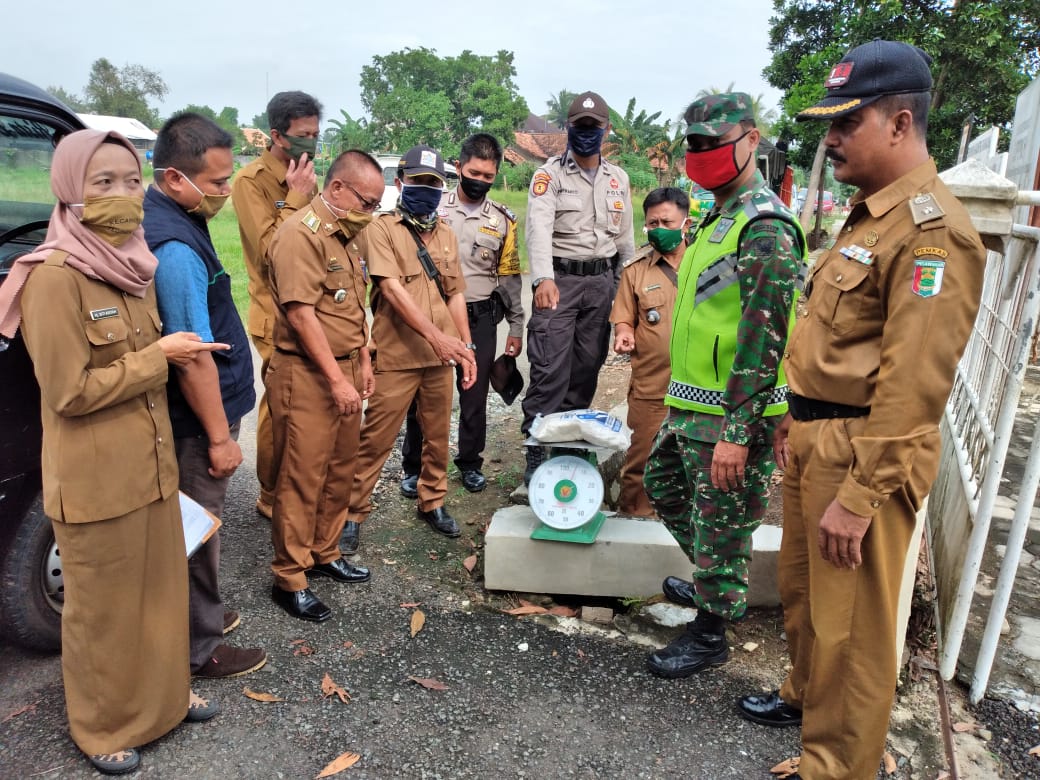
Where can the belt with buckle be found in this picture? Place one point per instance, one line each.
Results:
(348, 356)
(805, 409)
(593, 267)
(476, 308)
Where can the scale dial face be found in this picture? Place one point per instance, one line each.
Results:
(566, 492)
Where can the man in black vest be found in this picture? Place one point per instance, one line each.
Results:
(209, 397)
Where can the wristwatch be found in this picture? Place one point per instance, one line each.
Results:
(472, 346)
(538, 281)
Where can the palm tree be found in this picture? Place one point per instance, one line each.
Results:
(559, 105)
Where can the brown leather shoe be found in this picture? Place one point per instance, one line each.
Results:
(232, 620)
(264, 509)
(228, 661)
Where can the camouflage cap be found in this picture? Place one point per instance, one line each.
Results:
(869, 72)
(716, 115)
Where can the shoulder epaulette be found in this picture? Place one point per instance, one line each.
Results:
(642, 253)
(311, 221)
(925, 208)
(504, 209)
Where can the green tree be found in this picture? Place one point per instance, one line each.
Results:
(984, 53)
(558, 106)
(124, 91)
(75, 102)
(261, 122)
(635, 132)
(227, 119)
(415, 96)
(348, 133)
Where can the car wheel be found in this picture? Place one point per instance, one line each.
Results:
(32, 591)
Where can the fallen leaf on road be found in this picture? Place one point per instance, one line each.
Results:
(426, 682)
(470, 562)
(581, 654)
(943, 775)
(345, 761)
(1034, 751)
(329, 688)
(525, 603)
(786, 768)
(255, 696)
(963, 727)
(411, 604)
(890, 764)
(303, 650)
(348, 644)
(432, 555)
(418, 621)
(297, 641)
(16, 713)
(530, 609)
(562, 611)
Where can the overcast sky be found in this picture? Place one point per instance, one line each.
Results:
(240, 52)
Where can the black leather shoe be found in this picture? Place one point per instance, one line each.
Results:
(678, 591)
(768, 709)
(410, 486)
(341, 571)
(473, 480)
(688, 654)
(440, 521)
(350, 541)
(302, 604)
(534, 457)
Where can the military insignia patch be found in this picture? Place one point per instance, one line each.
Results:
(928, 276)
(334, 264)
(614, 184)
(540, 183)
(720, 231)
(619, 205)
(312, 221)
(857, 253)
(871, 238)
(493, 221)
(934, 251)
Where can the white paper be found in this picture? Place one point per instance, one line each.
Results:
(199, 525)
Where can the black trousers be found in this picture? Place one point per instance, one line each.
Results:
(483, 323)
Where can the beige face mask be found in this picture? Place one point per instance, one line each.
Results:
(210, 205)
(113, 218)
(352, 221)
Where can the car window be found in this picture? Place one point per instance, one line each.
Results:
(26, 150)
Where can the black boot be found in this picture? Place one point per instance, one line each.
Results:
(702, 645)
(535, 458)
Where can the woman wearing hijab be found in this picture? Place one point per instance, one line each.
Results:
(88, 315)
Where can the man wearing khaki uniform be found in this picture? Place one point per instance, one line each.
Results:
(265, 193)
(421, 334)
(318, 377)
(642, 319)
(579, 233)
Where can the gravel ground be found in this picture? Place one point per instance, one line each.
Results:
(1014, 734)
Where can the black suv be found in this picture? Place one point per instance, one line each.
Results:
(31, 124)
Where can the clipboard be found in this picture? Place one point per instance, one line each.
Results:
(199, 524)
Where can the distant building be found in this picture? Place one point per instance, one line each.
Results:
(139, 135)
(256, 138)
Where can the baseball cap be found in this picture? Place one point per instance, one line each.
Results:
(506, 378)
(421, 160)
(869, 72)
(716, 115)
(591, 105)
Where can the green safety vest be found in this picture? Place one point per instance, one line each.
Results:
(708, 311)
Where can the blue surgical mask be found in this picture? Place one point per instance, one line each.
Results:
(420, 199)
(585, 141)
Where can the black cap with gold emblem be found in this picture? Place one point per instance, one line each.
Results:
(869, 72)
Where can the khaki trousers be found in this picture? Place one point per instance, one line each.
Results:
(644, 418)
(432, 390)
(316, 448)
(841, 623)
(266, 466)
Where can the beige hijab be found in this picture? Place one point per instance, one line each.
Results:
(129, 267)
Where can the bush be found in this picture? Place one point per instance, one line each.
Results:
(516, 177)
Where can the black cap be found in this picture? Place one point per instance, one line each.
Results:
(420, 160)
(506, 378)
(869, 72)
(591, 105)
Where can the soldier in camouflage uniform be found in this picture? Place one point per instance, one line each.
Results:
(708, 473)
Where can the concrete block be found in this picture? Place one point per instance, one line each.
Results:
(629, 558)
(603, 615)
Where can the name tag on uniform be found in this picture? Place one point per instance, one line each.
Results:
(720, 231)
(103, 314)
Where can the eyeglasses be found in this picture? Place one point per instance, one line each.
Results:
(366, 204)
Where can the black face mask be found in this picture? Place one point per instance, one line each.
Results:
(474, 189)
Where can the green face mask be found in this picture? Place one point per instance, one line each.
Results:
(300, 144)
(664, 240)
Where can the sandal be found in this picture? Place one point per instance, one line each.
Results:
(200, 709)
(119, 763)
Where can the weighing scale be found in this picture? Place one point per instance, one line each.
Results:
(566, 492)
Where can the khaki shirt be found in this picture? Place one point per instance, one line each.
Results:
(313, 262)
(648, 283)
(107, 441)
(391, 253)
(488, 254)
(262, 201)
(890, 307)
(570, 217)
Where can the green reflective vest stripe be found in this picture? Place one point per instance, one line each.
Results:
(708, 311)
